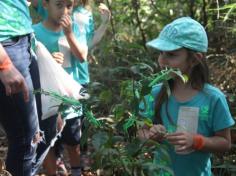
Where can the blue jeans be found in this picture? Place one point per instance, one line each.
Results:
(19, 118)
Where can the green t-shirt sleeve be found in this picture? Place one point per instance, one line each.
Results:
(221, 115)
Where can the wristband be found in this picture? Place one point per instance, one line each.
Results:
(198, 142)
(6, 64)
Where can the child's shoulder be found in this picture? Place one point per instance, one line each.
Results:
(213, 91)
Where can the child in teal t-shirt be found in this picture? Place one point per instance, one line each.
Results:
(195, 115)
(61, 37)
(83, 19)
(82, 15)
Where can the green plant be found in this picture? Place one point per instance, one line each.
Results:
(117, 148)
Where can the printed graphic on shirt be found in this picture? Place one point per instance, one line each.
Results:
(204, 113)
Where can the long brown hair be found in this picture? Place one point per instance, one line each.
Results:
(198, 76)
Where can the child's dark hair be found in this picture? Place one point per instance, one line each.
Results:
(198, 76)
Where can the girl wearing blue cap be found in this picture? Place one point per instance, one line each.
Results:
(195, 116)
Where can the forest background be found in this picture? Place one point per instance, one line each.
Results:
(122, 54)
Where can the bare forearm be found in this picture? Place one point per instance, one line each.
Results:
(99, 33)
(216, 144)
(79, 51)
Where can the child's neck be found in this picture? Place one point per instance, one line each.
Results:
(52, 25)
(183, 91)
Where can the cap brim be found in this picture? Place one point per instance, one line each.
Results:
(163, 45)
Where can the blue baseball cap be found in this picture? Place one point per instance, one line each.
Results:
(183, 32)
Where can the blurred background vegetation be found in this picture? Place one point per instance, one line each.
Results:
(133, 23)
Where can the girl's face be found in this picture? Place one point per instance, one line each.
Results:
(58, 8)
(174, 59)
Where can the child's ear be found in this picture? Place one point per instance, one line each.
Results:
(197, 57)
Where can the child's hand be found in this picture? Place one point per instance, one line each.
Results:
(182, 140)
(59, 57)
(157, 132)
(66, 23)
(143, 133)
(105, 13)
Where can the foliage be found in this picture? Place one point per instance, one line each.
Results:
(135, 22)
(118, 149)
(123, 54)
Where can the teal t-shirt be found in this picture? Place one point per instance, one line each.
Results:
(50, 40)
(212, 112)
(47, 37)
(14, 19)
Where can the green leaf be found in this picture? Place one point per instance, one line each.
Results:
(99, 139)
(129, 122)
(148, 122)
(105, 96)
(90, 117)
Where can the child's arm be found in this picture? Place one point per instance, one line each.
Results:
(11, 78)
(220, 142)
(80, 51)
(105, 16)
